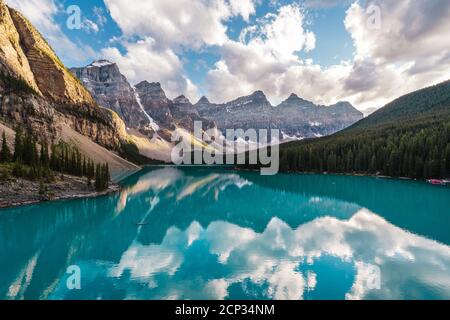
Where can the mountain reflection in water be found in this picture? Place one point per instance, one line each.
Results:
(204, 233)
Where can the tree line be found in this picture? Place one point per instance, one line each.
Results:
(419, 152)
(35, 161)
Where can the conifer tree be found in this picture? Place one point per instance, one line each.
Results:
(5, 153)
(44, 158)
(18, 145)
(98, 178)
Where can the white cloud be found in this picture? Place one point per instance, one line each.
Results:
(168, 27)
(325, 3)
(244, 8)
(89, 26)
(143, 60)
(280, 35)
(411, 50)
(409, 30)
(278, 261)
(42, 14)
(192, 23)
(266, 58)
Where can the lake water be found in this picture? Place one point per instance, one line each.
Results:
(204, 233)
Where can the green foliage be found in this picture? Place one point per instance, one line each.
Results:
(420, 106)
(5, 153)
(5, 172)
(15, 85)
(33, 163)
(102, 177)
(19, 170)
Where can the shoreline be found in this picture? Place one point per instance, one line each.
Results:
(17, 193)
(342, 174)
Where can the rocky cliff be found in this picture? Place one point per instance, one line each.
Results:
(38, 91)
(169, 114)
(28, 56)
(111, 90)
(13, 60)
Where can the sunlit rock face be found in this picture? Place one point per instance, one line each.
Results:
(12, 57)
(28, 56)
(295, 117)
(49, 95)
(111, 90)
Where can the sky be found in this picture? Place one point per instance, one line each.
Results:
(367, 52)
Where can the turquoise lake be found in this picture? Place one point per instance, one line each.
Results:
(202, 233)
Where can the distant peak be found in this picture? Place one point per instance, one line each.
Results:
(146, 84)
(101, 63)
(258, 93)
(203, 100)
(294, 98)
(181, 100)
(344, 104)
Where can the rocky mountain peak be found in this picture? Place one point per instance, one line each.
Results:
(150, 85)
(294, 99)
(101, 63)
(152, 90)
(181, 100)
(203, 100)
(258, 95)
(111, 90)
(256, 100)
(346, 108)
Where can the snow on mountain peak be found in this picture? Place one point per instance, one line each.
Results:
(101, 63)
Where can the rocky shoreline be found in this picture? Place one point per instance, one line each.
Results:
(20, 192)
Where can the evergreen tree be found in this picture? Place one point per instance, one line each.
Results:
(84, 168)
(5, 153)
(98, 178)
(18, 145)
(44, 158)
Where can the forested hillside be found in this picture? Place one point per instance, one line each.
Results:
(409, 137)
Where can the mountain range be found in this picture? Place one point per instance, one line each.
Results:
(96, 108)
(294, 117)
(147, 103)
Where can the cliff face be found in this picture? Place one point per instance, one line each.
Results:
(13, 60)
(169, 114)
(45, 117)
(37, 90)
(51, 76)
(111, 90)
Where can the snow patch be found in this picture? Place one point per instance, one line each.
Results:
(100, 63)
(153, 124)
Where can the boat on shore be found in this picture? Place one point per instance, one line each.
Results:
(439, 182)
